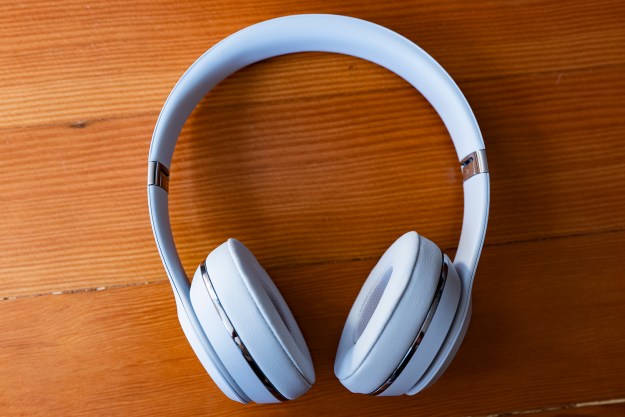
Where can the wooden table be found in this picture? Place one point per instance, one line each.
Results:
(317, 162)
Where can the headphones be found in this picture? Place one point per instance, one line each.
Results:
(413, 310)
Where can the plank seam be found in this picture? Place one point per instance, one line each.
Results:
(558, 408)
(299, 265)
(80, 290)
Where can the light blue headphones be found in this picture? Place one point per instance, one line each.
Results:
(413, 310)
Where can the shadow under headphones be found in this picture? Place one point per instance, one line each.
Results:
(413, 310)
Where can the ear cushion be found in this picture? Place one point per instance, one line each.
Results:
(388, 313)
(261, 317)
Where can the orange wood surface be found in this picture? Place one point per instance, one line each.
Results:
(317, 163)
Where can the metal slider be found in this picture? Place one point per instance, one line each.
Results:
(474, 164)
(158, 175)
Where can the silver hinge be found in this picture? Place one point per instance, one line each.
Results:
(474, 164)
(158, 175)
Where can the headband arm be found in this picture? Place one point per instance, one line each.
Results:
(474, 223)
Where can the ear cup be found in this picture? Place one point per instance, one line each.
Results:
(388, 313)
(262, 347)
(418, 366)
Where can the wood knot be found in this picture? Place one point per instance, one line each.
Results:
(80, 124)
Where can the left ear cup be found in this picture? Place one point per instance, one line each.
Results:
(250, 326)
(388, 313)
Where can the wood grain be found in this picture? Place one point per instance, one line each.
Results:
(317, 162)
(534, 340)
(352, 175)
(125, 57)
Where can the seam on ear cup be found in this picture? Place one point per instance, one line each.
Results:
(225, 347)
(235, 336)
(364, 371)
(442, 358)
(393, 311)
(244, 298)
(402, 256)
(268, 322)
(420, 334)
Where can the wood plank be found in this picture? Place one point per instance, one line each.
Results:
(355, 171)
(544, 332)
(74, 60)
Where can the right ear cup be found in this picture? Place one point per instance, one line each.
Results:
(388, 314)
(250, 326)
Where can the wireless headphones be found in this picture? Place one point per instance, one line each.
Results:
(413, 311)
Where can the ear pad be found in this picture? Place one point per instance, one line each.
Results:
(260, 317)
(388, 313)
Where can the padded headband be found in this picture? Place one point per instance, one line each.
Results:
(320, 33)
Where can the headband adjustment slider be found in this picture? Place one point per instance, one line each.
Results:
(475, 163)
(158, 175)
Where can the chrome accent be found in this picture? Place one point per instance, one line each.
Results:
(158, 175)
(424, 327)
(473, 164)
(235, 336)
